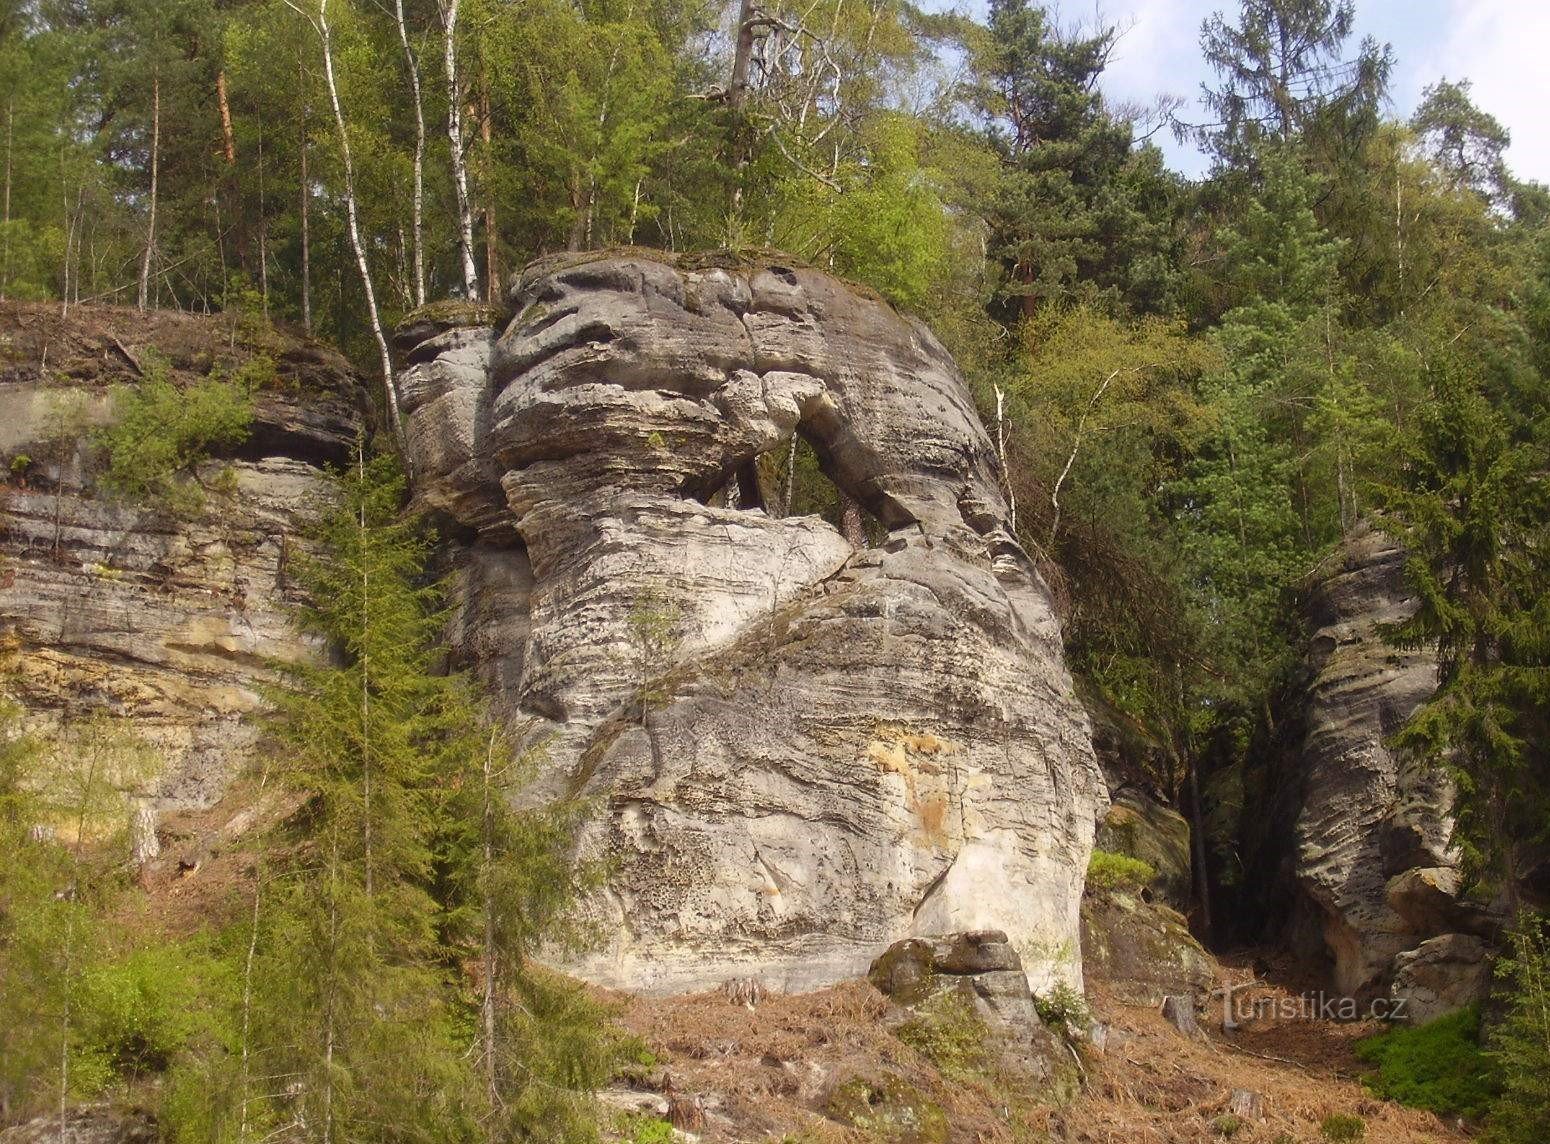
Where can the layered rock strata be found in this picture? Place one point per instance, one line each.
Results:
(166, 626)
(796, 752)
(1373, 860)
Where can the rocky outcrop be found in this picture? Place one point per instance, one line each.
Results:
(87, 1124)
(798, 752)
(977, 976)
(1373, 861)
(169, 626)
(1441, 975)
(1141, 951)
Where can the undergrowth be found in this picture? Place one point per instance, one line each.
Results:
(1438, 1066)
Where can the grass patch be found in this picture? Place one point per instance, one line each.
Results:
(1438, 1066)
(1109, 871)
(1342, 1127)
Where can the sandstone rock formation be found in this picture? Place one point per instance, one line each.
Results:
(1442, 974)
(798, 752)
(169, 625)
(1373, 858)
(946, 978)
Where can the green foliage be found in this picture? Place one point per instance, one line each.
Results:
(1064, 1008)
(1342, 1127)
(650, 1130)
(82, 1007)
(161, 431)
(1473, 515)
(1519, 1046)
(404, 862)
(1107, 871)
(1438, 1066)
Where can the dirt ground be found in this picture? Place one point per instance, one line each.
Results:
(735, 1073)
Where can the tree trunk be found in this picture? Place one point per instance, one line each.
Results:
(150, 229)
(352, 221)
(491, 963)
(465, 216)
(306, 229)
(10, 117)
(143, 843)
(737, 89)
(227, 138)
(737, 95)
(491, 254)
(360, 460)
(419, 158)
(1197, 837)
(263, 226)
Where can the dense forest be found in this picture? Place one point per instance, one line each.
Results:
(1200, 386)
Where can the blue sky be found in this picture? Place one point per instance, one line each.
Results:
(1503, 46)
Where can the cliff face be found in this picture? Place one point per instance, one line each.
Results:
(1373, 861)
(168, 624)
(799, 751)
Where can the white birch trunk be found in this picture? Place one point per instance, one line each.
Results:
(419, 158)
(150, 228)
(465, 214)
(352, 219)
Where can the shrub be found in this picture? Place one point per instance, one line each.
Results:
(1342, 1127)
(1109, 871)
(160, 431)
(1520, 1045)
(1065, 1009)
(1228, 1125)
(139, 1010)
(650, 1130)
(1438, 1066)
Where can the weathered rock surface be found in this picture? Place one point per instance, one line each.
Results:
(799, 752)
(87, 1124)
(948, 978)
(1442, 974)
(1141, 951)
(169, 625)
(1373, 858)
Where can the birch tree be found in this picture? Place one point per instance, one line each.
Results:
(320, 25)
(465, 211)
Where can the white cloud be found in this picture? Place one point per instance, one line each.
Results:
(1500, 45)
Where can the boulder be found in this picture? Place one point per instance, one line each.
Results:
(1141, 951)
(799, 751)
(1441, 975)
(968, 989)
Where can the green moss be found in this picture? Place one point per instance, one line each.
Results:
(1228, 1125)
(649, 1130)
(452, 312)
(1438, 1066)
(890, 1108)
(946, 1030)
(1109, 871)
